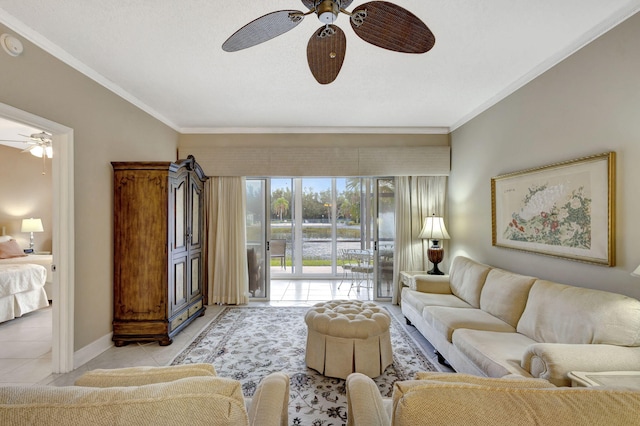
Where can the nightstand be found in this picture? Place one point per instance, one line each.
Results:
(627, 379)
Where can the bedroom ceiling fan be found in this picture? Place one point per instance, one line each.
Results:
(380, 23)
(39, 146)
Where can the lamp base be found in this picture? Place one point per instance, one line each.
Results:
(435, 254)
(435, 270)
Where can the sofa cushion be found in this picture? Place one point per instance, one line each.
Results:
(138, 376)
(504, 295)
(421, 300)
(495, 353)
(194, 400)
(431, 284)
(558, 313)
(446, 320)
(434, 402)
(467, 278)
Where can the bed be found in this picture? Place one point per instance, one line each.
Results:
(22, 283)
(37, 259)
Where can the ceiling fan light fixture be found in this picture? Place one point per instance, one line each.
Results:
(328, 11)
(36, 151)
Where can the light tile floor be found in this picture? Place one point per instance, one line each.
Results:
(31, 334)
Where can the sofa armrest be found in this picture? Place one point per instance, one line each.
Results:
(365, 405)
(270, 403)
(552, 361)
(139, 376)
(432, 284)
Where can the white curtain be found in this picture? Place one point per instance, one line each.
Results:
(416, 198)
(227, 273)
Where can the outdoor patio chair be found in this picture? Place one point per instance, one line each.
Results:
(278, 249)
(362, 269)
(347, 263)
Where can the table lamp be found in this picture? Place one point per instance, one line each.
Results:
(435, 231)
(32, 225)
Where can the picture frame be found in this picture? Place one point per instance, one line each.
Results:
(564, 210)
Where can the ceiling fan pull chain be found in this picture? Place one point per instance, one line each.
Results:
(359, 17)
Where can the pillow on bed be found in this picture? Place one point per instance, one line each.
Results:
(10, 249)
(5, 238)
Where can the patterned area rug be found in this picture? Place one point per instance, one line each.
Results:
(248, 343)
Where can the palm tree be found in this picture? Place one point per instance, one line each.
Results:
(280, 207)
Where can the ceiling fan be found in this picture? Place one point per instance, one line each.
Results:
(380, 23)
(40, 144)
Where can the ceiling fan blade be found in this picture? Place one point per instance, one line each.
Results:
(391, 27)
(263, 29)
(325, 53)
(9, 140)
(310, 4)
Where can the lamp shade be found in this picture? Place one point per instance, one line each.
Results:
(636, 273)
(32, 225)
(433, 229)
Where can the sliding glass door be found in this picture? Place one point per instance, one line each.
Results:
(301, 228)
(257, 222)
(385, 236)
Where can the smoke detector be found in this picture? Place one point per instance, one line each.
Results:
(11, 45)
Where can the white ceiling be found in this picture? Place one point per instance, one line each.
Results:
(165, 56)
(19, 133)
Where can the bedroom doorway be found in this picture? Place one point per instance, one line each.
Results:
(62, 234)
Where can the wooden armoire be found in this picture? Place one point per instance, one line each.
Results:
(158, 275)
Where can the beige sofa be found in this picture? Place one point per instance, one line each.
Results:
(490, 322)
(460, 399)
(185, 394)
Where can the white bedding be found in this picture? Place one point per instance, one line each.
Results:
(21, 289)
(19, 278)
(38, 259)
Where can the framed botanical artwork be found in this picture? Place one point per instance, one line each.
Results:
(565, 209)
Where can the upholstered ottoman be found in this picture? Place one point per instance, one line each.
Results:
(347, 336)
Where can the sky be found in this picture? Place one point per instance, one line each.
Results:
(317, 184)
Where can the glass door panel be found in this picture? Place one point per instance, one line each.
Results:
(256, 238)
(281, 227)
(317, 226)
(385, 206)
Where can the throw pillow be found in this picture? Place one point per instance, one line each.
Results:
(10, 249)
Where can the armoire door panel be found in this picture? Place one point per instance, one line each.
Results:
(195, 218)
(195, 278)
(180, 281)
(180, 216)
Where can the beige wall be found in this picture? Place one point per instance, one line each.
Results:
(25, 192)
(588, 104)
(106, 128)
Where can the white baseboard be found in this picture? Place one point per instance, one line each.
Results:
(92, 350)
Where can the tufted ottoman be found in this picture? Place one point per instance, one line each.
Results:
(347, 336)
